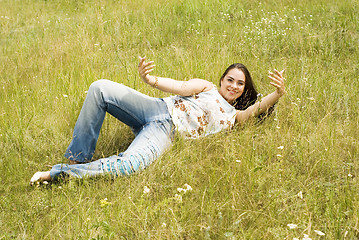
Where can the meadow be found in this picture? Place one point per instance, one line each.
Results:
(294, 176)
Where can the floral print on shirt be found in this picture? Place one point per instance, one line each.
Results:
(202, 114)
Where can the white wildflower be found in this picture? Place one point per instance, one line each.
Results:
(184, 190)
(238, 161)
(292, 226)
(164, 224)
(146, 190)
(349, 175)
(181, 190)
(65, 96)
(178, 198)
(320, 233)
(300, 195)
(278, 155)
(280, 147)
(188, 187)
(295, 238)
(306, 237)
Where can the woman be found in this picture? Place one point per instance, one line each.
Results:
(197, 109)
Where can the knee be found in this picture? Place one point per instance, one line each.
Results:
(105, 85)
(99, 84)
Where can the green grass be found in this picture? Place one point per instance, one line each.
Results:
(244, 186)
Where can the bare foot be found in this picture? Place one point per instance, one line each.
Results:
(40, 177)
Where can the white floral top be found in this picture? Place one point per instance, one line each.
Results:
(202, 114)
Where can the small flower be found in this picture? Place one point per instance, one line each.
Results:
(306, 237)
(178, 198)
(65, 96)
(278, 155)
(184, 190)
(146, 190)
(181, 190)
(238, 161)
(320, 233)
(292, 226)
(104, 202)
(280, 147)
(349, 175)
(164, 225)
(188, 187)
(295, 238)
(300, 195)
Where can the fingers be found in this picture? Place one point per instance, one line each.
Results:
(277, 80)
(280, 74)
(146, 72)
(145, 68)
(277, 76)
(275, 85)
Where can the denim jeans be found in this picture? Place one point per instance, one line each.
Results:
(148, 118)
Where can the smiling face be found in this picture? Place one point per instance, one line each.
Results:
(232, 85)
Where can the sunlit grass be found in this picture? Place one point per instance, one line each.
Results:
(299, 167)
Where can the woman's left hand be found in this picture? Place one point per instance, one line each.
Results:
(278, 81)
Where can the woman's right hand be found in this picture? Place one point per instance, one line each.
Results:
(144, 68)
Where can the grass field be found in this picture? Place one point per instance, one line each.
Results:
(299, 167)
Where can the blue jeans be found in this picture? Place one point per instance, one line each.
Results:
(148, 118)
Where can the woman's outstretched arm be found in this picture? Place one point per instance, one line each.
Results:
(266, 102)
(183, 88)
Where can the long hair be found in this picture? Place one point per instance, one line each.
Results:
(250, 94)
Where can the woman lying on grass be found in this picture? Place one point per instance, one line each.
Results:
(197, 109)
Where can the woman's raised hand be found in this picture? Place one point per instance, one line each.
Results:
(144, 68)
(278, 81)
